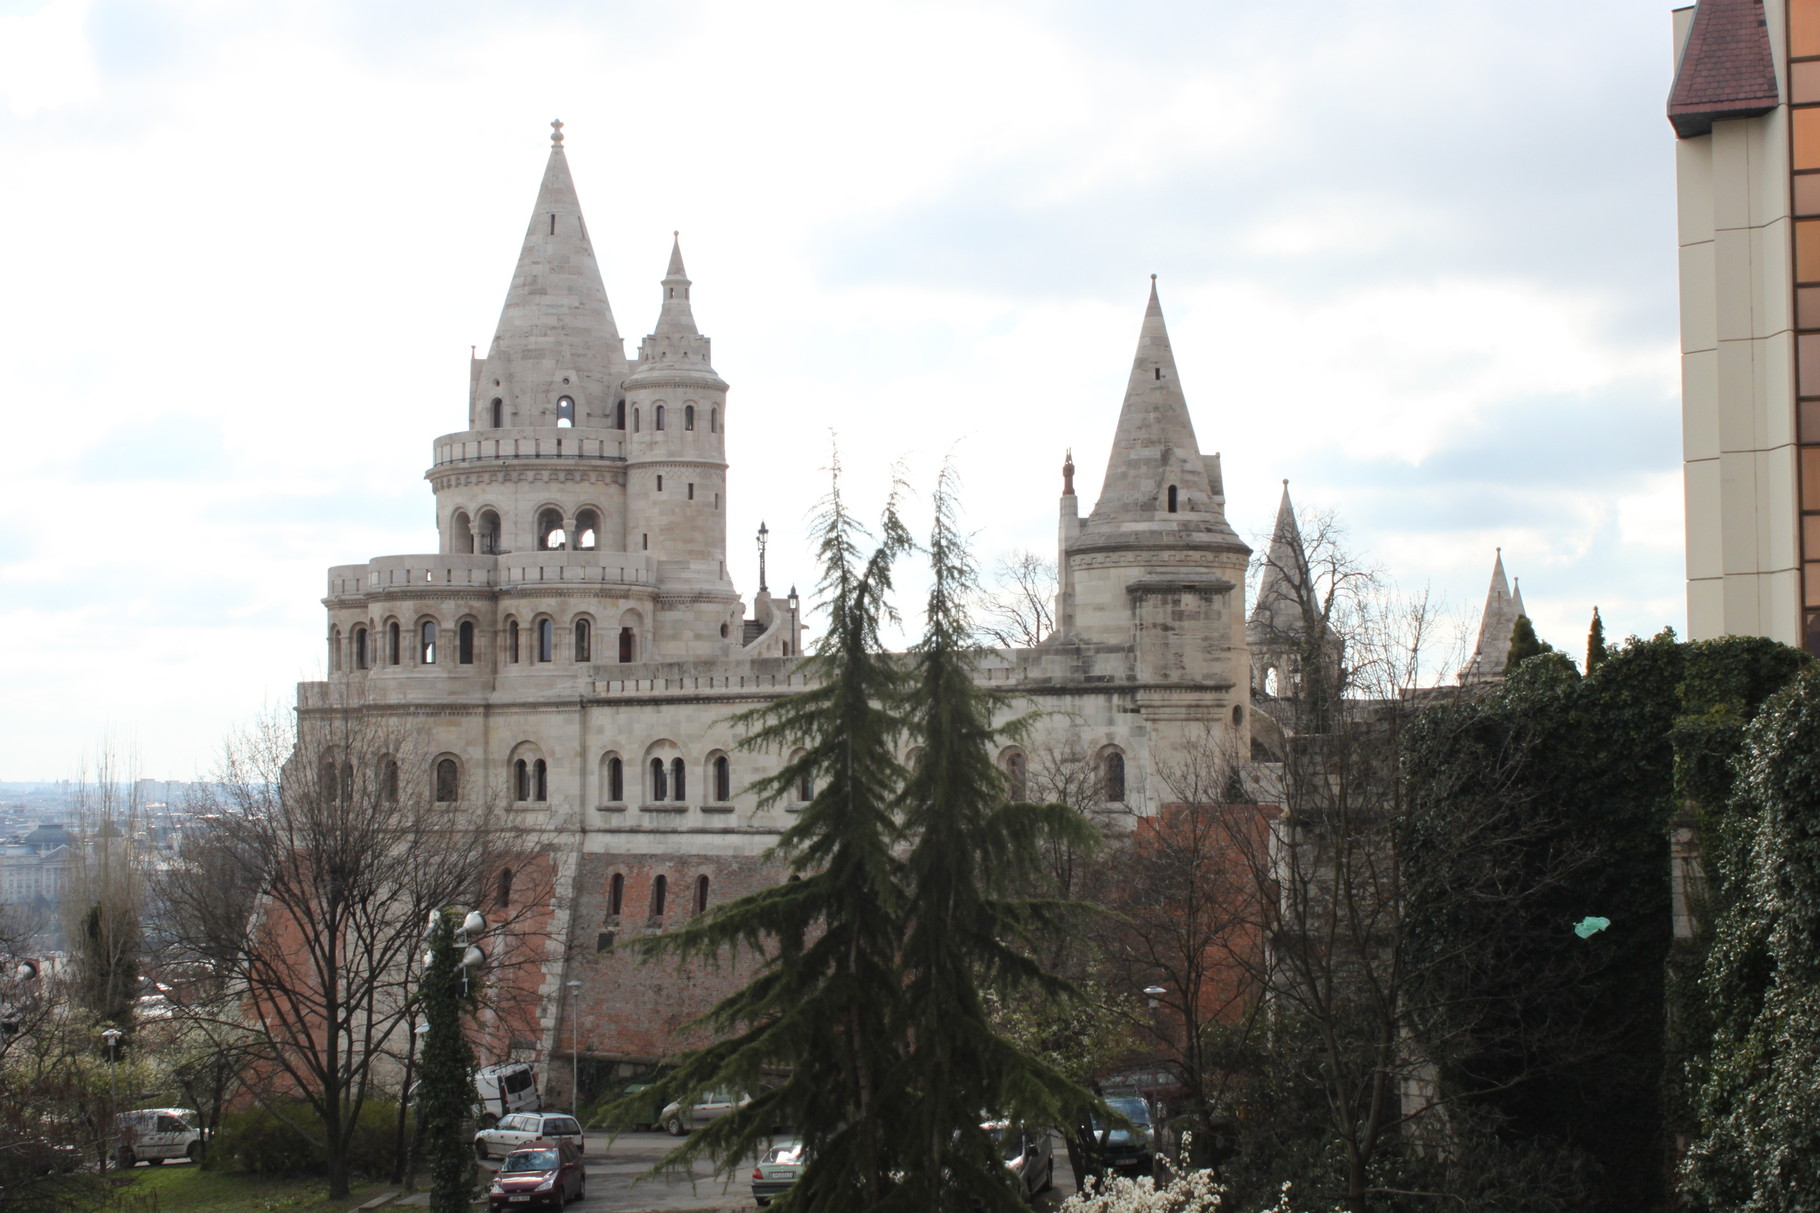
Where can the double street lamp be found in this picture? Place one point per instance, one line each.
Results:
(112, 1036)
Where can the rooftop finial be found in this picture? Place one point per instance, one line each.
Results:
(556, 133)
(1153, 277)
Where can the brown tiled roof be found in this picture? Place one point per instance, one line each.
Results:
(1727, 70)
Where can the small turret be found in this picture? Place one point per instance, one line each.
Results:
(1286, 631)
(1502, 607)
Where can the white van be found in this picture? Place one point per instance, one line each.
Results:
(151, 1135)
(501, 1090)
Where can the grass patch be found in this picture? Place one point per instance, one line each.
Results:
(190, 1189)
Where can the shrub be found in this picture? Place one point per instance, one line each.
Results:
(260, 1141)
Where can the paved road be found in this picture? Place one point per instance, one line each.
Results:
(615, 1184)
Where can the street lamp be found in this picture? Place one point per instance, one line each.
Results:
(575, 1045)
(1152, 993)
(112, 1036)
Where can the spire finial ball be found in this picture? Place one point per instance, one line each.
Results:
(1153, 277)
(556, 133)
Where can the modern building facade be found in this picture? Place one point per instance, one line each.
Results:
(1745, 108)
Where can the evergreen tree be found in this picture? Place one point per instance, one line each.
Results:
(1596, 652)
(823, 1007)
(1524, 644)
(446, 1092)
(969, 845)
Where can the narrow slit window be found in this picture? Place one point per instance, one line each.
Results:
(723, 779)
(678, 787)
(616, 894)
(426, 642)
(583, 645)
(464, 643)
(701, 894)
(660, 784)
(660, 893)
(688, 416)
(546, 640)
(540, 780)
(1172, 499)
(616, 783)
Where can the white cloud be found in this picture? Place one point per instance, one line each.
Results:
(45, 58)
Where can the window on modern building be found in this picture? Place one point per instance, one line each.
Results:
(392, 647)
(723, 780)
(489, 533)
(616, 894)
(583, 649)
(512, 641)
(660, 894)
(499, 413)
(688, 416)
(521, 780)
(360, 648)
(701, 894)
(619, 414)
(448, 781)
(426, 642)
(657, 418)
(540, 781)
(464, 643)
(1172, 508)
(1115, 776)
(502, 888)
(660, 784)
(626, 644)
(546, 640)
(565, 412)
(388, 779)
(678, 787)
(616, 780)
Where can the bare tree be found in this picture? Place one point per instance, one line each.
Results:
(304, 896)
(103, 898)
(1016, 606)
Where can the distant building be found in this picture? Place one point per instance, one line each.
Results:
(32, 867)
(1745, 107)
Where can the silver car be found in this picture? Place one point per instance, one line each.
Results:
(522, 1129)
(1029, 1154)
(679, 1118)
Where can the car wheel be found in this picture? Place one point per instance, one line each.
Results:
(762, 1200)
(124, 1160)
(675, 1126)
(193, 1151)
(154, 1162)
(480, 1151)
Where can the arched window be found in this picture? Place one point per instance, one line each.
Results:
(701, 894)
(499, 413)
(688, 416)
(329, 781)
(565, 413)
(805, 788)
(657, 418)
(464, 642)
(619, 414)
(448, 781)
(582, 647)
(660, 785)
(334, 649)
(1238, 715)
(540, 781)
(512, 641)
(388, 779)
(1017, 770)
(360, 648)
(660, 484)
(426, 642)
(550, 535)
(635, 419)
(616, 894)
(660, 893)
(391, 643)
(521, 780)
(1172, 499)
(723, 780)
(489, 533)
(714, 421)
(678, 788)
(1115, 776)
(626, 643)
(461, 534)
(616, 780)
(546, 640)
(502, 888)
(587, 531)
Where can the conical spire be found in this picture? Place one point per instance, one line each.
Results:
(556, 336)
(1284, 585)
(1502, 607)
(1154, 447)
(675, 344)
(677, 318)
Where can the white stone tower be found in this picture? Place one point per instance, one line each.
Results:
(1502, 607)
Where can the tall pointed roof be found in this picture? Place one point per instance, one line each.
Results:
(676, 318)
(1153, 452)
(1285, 582)
(1495, 625)
(557, 294)
(675, 346)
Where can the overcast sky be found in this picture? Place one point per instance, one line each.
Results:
(1417, 256)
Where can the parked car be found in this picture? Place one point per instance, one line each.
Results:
(550, 1175)
(679, 1118)
(777, 1169)
(522, 1129)
(503, 1089)
(1128, 1151)
(1029, 1154)
(152, 1135)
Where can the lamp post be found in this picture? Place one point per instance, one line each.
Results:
(1152, 994)
(112, 1036)
(575, 1045)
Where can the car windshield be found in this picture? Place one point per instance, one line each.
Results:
(529, 1160)
(1134, 1110)
(785, 1155)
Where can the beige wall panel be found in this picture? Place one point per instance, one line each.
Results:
(1699, 321)
(1700, 405)
(1767, 165)
(1772, 302)
(1738, 517)
(1742, 617)
(1734, 284)
(1781, 595)
(1694, 189)
(1705, 609)
(1777, 548)
(1732, 185)
(1738, 410)
(1774, 368)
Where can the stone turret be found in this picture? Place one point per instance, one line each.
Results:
(1285, 629)
(1502, 607)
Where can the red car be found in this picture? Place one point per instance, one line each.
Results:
(541, 1177)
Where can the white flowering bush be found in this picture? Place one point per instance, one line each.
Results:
(1189, 1192)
